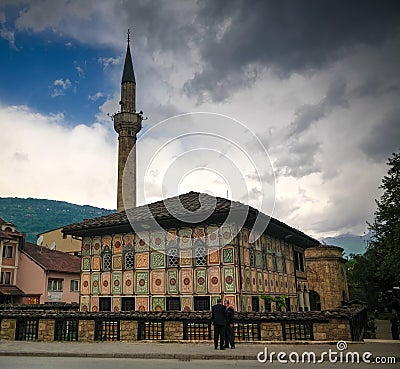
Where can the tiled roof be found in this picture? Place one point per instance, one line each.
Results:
(52, 260)
(186, 205)
(10, 290)
(192, 205)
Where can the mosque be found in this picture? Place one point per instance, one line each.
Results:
(185, 252)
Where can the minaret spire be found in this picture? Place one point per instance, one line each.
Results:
(127, 123)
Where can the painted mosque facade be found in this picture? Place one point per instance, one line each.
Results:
(187, 266)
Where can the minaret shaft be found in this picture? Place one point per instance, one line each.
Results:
(127, 123)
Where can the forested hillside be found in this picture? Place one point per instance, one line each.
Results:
(33, 216)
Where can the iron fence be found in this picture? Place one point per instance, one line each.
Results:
(66, 330)
(150, 330)
(107, 330)
(198, 330)
(26, 329)
(247, 331)
(292, 331)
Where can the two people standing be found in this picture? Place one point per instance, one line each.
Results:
(222, 319)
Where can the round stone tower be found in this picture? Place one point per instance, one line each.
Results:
(326, 276)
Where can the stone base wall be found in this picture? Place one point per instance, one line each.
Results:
(8, 327)
(46, 330)
(334, 330)
(128, 330)
(333, 325)
(86, 330)
(271, 332)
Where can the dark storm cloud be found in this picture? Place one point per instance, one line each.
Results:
(286, 36)
(384, 138)
(308, 114)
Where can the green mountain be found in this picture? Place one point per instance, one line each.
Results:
(33, 216)
(351, 243)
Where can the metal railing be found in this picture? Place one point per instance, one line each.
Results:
(247, 331)
(107, 330)
(150, 330)
(26, 329)
(198, 330)
(66, 330)
(293, 331)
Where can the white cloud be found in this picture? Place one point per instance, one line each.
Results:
(60, 87)
(43, 158)
(96, 96)
(106, 62)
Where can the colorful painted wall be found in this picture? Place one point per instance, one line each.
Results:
(187, 263)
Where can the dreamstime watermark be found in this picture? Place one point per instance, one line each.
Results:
(211, 154)
(309, 357)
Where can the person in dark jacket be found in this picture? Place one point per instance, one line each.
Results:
(230, 319)
(219, 322)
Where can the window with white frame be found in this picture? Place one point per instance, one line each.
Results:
(5, 278)
(74, 285)
(55, 285)
(8, 251)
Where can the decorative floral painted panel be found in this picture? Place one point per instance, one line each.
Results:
(201, 280)
(94, 304)
(117, 244)
(117, 282)
(95, 283)
(157, 260)
(142, 260)
(142, 282)
(127, 281)
(229, 280)
(105, 283)
(157, 303)
(172, 281)
(157, 282)
(214, 280)
(142, 303)
(186, 280)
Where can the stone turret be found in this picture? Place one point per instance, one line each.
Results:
(127, 123)
(326, 275)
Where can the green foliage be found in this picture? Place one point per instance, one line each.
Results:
(385, 244)
(279, 300)
(34, 216)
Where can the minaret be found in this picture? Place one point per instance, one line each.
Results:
(127, 123)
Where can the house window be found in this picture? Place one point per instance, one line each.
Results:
(173, 259)
(128, 304)
(252, 256)
(173, 303)
(105, 304)
(299, 261)
(275, 264)
(8, 251)
(5, 278)
(201, 303)
(74, 285)
(129, 260)
(107, 261)
(55, 285)
(200, 255)
(255, 303)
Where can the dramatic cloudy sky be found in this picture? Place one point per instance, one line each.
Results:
(316, 82)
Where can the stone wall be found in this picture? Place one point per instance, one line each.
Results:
(331, 325)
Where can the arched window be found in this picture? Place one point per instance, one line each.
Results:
(252, 256)
(106, 259)
(172, 254)
(200, 253)
(129, 257)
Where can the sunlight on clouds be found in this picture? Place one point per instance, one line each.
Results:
(42, 158)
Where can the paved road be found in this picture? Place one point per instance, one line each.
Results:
(94, 363)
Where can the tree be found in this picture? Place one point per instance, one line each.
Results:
(385, 244)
